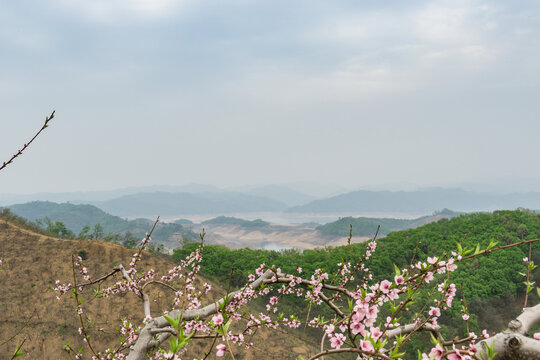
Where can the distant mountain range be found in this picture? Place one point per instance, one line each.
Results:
(197, 199)
(253, 198)
(421, 201)
(282, 194)
(172, 204)
(93, 196)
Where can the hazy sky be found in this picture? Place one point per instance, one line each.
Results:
(354, 93)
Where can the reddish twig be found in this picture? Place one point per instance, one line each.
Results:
(18, 153)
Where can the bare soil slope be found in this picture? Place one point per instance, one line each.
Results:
(29, 309)
(273, 237)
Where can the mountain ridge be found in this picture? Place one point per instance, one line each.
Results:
(428, 200)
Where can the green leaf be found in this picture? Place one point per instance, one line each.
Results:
(398, 272)
(492, 244)
(226, 326)
(18, 352)
(434, 340)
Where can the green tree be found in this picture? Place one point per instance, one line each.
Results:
(56, 228)
(130, 241)
(84, 232)
(522, 231)
(98, 232)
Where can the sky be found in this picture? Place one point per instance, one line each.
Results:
(359, 94)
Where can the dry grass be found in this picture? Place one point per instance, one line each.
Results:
(29, 309)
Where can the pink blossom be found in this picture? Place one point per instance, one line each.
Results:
(437, 352)
(376, 333)
(393, 294)
(221, 350)
(337, 340)
(536, 336)
(385, 286)
(217, 319)
(451, 266)
(454, 356)
(434, 311)
(366, 346)
(330, 329)
(465, 317)
(357, 328)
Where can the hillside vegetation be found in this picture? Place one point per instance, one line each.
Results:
(364, 226)
(229, 220)
(32, 262)
(491, 283)
(76, 217)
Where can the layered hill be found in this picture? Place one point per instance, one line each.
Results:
(364, 226)
(77, 216)
(31, 263)
(172, 204)
(421, 201)
(230, 220)
(491, 284)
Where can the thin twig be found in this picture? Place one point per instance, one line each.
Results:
(528, 276)
(17, 349)
(18, 153)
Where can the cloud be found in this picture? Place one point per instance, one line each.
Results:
(120, 10)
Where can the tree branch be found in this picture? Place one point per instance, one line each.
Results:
(146, 339)
(18, 153)
(409, 328)
(523, 323)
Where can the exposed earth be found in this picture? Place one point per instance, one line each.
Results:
(272, 237)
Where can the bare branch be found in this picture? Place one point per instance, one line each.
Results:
(163, 330)
(347, 350)
(146, 339)
(509, 345)
(18, 153)
(409, 328)
(146, 305)
(525, 320)
(124, 272)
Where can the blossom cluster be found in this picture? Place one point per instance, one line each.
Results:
(358, 327)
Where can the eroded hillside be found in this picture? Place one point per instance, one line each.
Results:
(29, 308)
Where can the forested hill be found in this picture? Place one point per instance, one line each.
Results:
(101, 225)
(490, 281)
(420, 201)
(229, 220)
(75, 217)
(364, 226)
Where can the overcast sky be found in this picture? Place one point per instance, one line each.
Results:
(353, 93)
